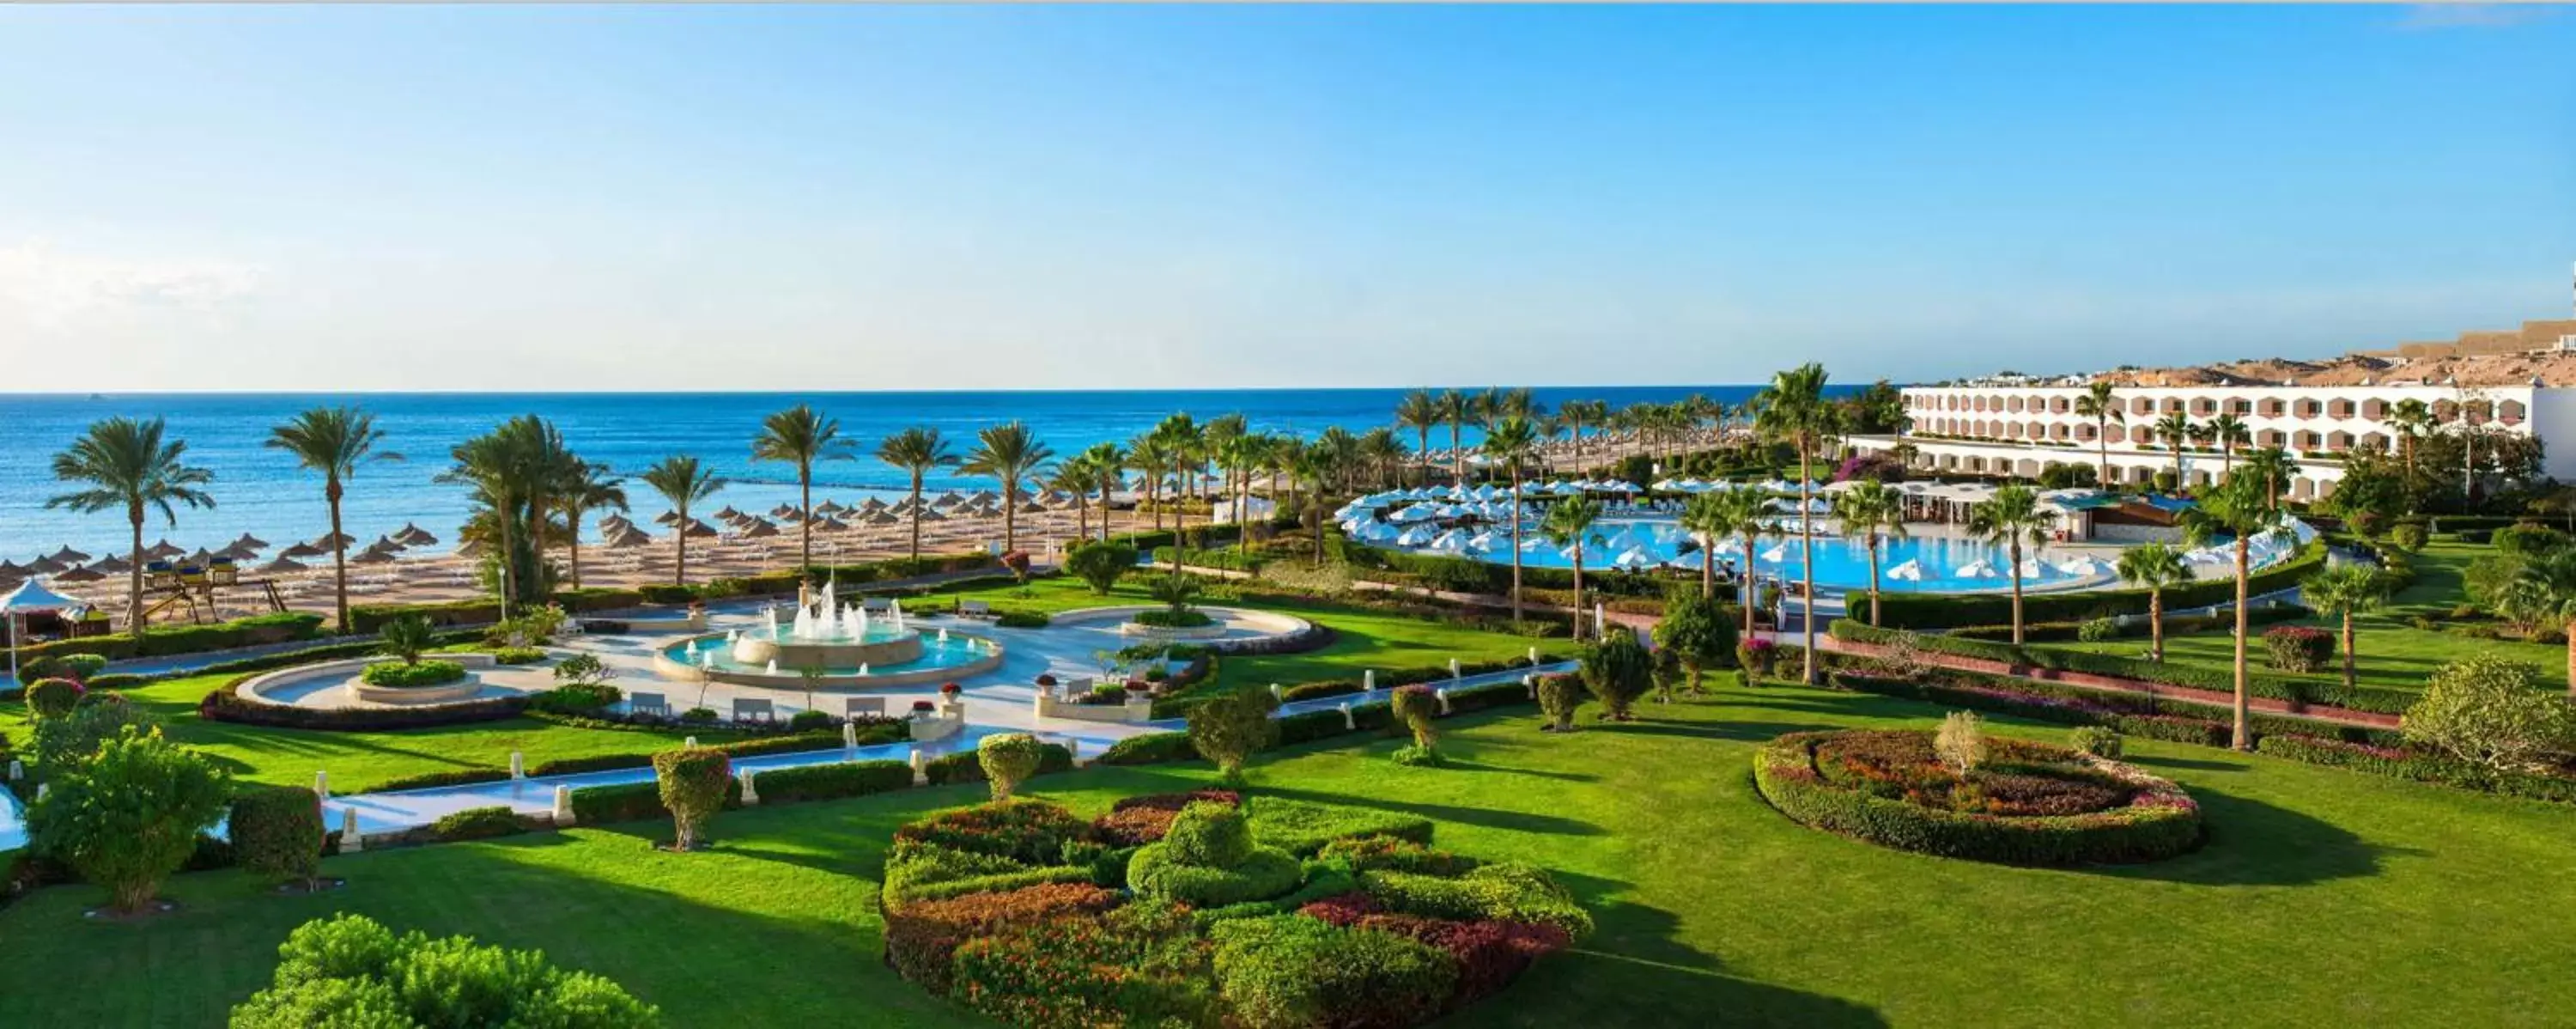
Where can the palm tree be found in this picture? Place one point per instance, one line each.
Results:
(2547, 588)
(2175, 429)
(127, 464)
(1382, 452)
(516, 471)
(2012, 519)
(1871, 511)
(801, 436)
(2345, 590)
(1569, 524)
(2409, 418)
(916, 450)
(683, 483)
(592, 489)
(1420, 411)
(2242, 508)
(1793, 408)
(1150, 454)
(1107, 462)
(333, 441)
(1457, 409)
(1074, 475)
(2271, 466)
(1580, 413)
(1509, 443)
(2155, 568)
(2227, 432)
(2098, 403)
(1717, 514)
(1011, 453)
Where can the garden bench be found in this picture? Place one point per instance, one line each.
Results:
(647, 704)
(753, 711)
(974, 609)
(854, 707)
(876, 605)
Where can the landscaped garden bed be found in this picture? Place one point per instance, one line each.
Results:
(2006, 800)
(1209, 909)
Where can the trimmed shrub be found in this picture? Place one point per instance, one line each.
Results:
(1229, 728)
(693, 785)
(2491, 712)
(1100, 564)
(1559, 696)
(1008, 759)
(2409, 536)
(397, 675)
(1022, 620)
(1507, 891)
(1149, 748)
(2297, 648)
(277, 832)
(922, 937)
(478, 823)
(1388, 853)
(1949, 610)
(2331, 692)
(517, 655)
(1130, 966)
(52, 698)
(1292, 971)
(2095, 740)
(1302, 828)
(968, 765)
(825, 782)
(1028, 831)
(1264, 873)
(78, 668)
(128, 817)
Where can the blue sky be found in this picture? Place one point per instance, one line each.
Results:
(858, 198)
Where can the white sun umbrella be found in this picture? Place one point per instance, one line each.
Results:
(1908, 570)
(1776, 554)
(2031, 568)
(1634, 558)
(1975, 570)
(1416, 536)
(2081, 565)
(30, 597)
(1452, 541)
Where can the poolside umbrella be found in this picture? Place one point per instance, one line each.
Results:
(699, 528)
(30, 596)
(302, 550)
(334, 541)
(69, 556)
(282, 566)
(667, 518)
(250, 542)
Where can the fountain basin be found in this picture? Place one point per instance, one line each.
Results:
(827, 654)
(719, 659)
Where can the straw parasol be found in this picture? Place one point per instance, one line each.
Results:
(334, 541)
(237, 552)
(872, 506)
(883, 518)
(416, 538)
(699, 528)
(372, 556)
(1033, 507)
(250, 542)
(12, 570)
(69, 556)
(828, 507)
(303, 550)
(667, 518)
(783, 511)
(930, 514)
(827, 523)
(759, 529)
(113, 565)
(281, 566)
(628, 536)
(44, 566)
(164, 550)
(81, 575)
(386, 543)
(728, 513)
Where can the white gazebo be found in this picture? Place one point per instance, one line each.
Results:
(31, 596)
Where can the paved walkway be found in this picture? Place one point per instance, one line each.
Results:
(2115, 684)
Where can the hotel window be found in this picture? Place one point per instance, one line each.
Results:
(2240, 406)
(2512, 412)
(2204, 406)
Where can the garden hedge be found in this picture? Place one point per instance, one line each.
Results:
(2175, 625)
(826, 782)
(1951, 610)
(168, 640)
(2160, 822)
(2330, 692)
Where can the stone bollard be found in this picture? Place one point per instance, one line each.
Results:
(849, 736)
(1442, 694)
(518, 765)
(1349, 722)
(1533, 657)
(1368, 680)
(43, 788)
(563, 806)
(690, 742)
(1453, 669)
(321, 785)
(16, 771)
(1276, 693)
(1529, 681)
(750, 791)
(351, 840)
(920, 768)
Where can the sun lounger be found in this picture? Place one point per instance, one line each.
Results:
(974, 609)
(753, 711)
(647, 704)
(854, 707)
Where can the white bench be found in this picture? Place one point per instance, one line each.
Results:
(647, 704)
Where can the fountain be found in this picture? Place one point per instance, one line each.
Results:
(826, 634)
(851, 645)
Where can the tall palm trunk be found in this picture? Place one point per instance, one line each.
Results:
(1515, 472)
(134, 576)
(1010, 516)
(339, 557)
(1422, 437)
(1707, 568)
(1744, 587)
(2156, 625)
(805, 525)
(680, 546)
(1578, 592)
(1873, 580)
(1807, 559)
(916, 518)
(573, 542)
(2102, 446)
(2348, 670)
(2243, 736)
(2014, 553)
(1457, 457)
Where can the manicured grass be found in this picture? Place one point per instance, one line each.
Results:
(2392, 652)
(2321, 897)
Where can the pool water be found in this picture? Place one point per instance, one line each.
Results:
(935, 653)
(1946, 564)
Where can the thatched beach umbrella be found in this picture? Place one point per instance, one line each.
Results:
(1033, 507)
(81, 575)
(628, 536)
(417, 538)
(249, 542)
(372, 556)
(334, 541)
(827, 523)
(386, 543)
(44, 566)
(236, 552)
(828, 507)
(282, 566)
(873, 506)
(728, 513)
(113, 565)
(783, 511)
(164, 550)
(12, 570)
(930, 514)
(68, 556)
(302, 550)
(948, 499)
(758, 529)
(884, 518)
(698, 528)
(667, 518)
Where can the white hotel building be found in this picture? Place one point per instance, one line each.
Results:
(2016, 426)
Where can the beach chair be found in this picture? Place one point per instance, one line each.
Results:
(753, 711)
(876, 605)
(857, 707)
(648, 704)
(974, 609)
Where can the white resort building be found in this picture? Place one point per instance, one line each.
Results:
(2316, 411)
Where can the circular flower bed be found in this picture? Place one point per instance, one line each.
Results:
(1208, 909)
(1170, 619)
(397, 674)
(2023, 803)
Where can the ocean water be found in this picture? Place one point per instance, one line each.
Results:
(260, 490)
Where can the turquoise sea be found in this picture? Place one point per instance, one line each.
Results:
(260, 491)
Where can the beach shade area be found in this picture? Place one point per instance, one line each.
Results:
(30, 597)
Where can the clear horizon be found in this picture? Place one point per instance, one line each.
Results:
(877, 199)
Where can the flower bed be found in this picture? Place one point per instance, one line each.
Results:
(2028, 803)
(1016, 910)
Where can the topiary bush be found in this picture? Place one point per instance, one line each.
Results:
(1618, 670)
(2097, 740)
(1208, 859)
(1100, 564)
(1229, 727)
(398, 675)
(1558, 696)
(1415, 707)
(1290, 970)
(693, 785)
(477, 823)
(2297, 648)
(278, 832)
(2409, 536)
(52, 698)
(1008, 759)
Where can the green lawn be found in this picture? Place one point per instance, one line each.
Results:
(2322, 897)
(2392, 651)
(356, 760)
